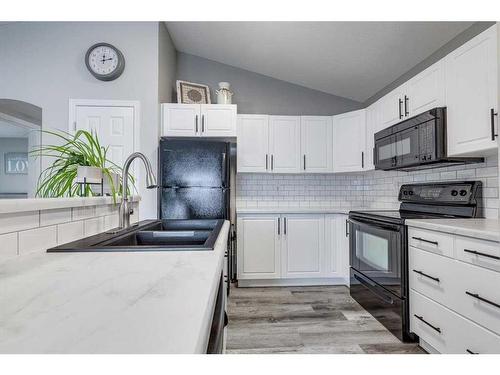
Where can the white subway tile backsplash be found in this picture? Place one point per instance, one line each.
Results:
(53, 217)
(93, 226)
(81, 213)
(371, 189)
(8, 246)
(39, 239)
(69, 232)
(13, 222)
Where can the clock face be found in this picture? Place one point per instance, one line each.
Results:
(104, 61)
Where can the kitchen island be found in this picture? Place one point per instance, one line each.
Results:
(122, 302)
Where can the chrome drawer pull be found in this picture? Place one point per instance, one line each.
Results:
(424, 274)
(471, 352)
(421, 318)
(424, 240)
(482, 254)
(477, 296)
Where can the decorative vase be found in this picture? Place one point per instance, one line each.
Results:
(224, 94)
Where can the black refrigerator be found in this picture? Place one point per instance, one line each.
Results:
(196, 177)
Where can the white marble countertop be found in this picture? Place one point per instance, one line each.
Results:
(486, 229)
(136, 302)
(297, 210)
(36, 204)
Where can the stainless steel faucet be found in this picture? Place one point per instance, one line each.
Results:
(125, 210)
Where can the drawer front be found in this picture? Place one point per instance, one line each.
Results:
(477, 295)
(436, 242)
(473, 339)
(431, 322)
(478, 252)
(431, 275)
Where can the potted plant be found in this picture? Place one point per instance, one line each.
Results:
(78, 156)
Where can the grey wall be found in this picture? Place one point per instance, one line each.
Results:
(167, 65)
(453, 44)
(43, 63)
(256, 93)
(12, 183)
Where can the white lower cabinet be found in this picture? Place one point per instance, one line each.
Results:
(259, 244)
(454, 305)
(293, 247)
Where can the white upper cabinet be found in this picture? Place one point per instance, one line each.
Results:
(316, 143)
(425, 91)
(253, 143)
(180, 120)
(349, 141)
(198, 120)
(471, 96)
(284, 144)
(392, 108)
(372, 126)
(303, 246)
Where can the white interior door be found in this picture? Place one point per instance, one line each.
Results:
(316, 143)
(114, 127)
(284, 144)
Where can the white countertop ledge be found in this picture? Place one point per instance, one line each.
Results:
(123, 302)
(37, 204)
(486, 229)
(297, 210)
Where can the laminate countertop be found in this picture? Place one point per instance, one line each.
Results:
(128, 302)
(486, 229)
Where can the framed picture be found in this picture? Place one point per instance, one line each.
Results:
(192, 93)
(16, 163)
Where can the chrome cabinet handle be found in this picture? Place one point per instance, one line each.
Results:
(424, 240)
(424, 274)
(196, 123)
(421, 318)
(482, 254)
(477, 296)
(492, 119)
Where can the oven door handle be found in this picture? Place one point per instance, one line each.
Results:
(375, 290)
(393, 228)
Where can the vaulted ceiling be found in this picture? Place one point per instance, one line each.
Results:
(350, 59)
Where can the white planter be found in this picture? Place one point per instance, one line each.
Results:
(90, 175)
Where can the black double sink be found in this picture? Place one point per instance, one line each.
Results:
(151, 235)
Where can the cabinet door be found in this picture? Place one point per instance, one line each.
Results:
(180, 120)
(258, 247)
(471, 95)
(349, 141)
(392, 108)
(336, 247)
(303, 242)
(218, 120)
(284, 144)
(425, 91)
(316, 143)
(372, 123)
(253, 143)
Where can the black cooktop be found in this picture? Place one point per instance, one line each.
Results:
(398, 216)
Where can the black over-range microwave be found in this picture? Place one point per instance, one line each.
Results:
(416, 143)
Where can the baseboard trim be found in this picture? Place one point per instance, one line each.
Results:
(427, 347)
(293, 282)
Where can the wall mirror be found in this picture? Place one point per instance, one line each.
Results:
(20, 132)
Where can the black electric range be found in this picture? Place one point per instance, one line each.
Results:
(378, 247)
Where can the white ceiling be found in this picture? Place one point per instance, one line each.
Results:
(350, 59)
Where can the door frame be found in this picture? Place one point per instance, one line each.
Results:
(134, 104)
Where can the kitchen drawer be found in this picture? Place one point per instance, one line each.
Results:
(474, 287)
(437, 242)
(436, 324)
(432, 275)
(473, 339)
(478, 252)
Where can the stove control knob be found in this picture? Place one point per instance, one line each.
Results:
(405, 192)
(410, 192)
(463, 193)
(454, 193)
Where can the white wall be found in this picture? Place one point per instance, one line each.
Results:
(43, 63)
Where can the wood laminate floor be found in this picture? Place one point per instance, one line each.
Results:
(314, 319)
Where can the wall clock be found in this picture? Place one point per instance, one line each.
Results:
(104, 61)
